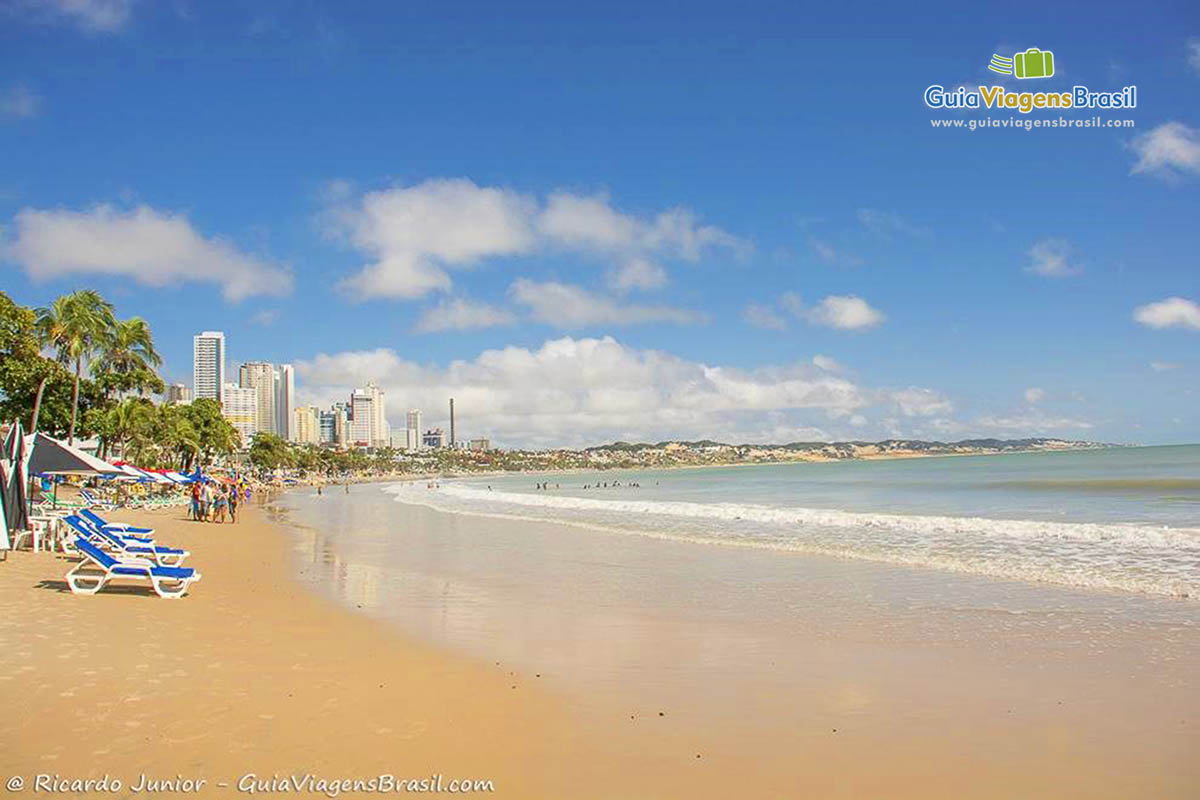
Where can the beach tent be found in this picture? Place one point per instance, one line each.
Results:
(52, 457)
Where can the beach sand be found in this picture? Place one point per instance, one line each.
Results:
(253, 673)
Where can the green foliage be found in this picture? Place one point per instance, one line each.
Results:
(268, 451)
(77, 326)
(212, 433)
(23, 368)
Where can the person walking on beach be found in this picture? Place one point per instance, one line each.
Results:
(196, 502)
(220, 503)
(233, 504)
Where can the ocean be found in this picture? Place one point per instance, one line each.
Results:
(723, 590)
(1116, 519)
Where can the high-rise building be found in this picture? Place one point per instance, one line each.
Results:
(307, 425)
(260, 376)
(341, 424)
(362, 418)
(434, 438)
(480, 445)
(328, 428)
(177, 394)
(285, 402)
(412, 430)
(240, 407)
(368, 418)
(208, 365)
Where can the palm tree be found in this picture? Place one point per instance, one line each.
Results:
(128, 358)
(77, 326)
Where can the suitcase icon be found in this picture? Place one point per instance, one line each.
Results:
(1033, 63)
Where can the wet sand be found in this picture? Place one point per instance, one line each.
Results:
(253, 672)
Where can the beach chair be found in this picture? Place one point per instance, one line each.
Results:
(93, 500)
(98, 568)
(120, 528)
(161, 554)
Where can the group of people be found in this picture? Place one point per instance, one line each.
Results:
(212, 501)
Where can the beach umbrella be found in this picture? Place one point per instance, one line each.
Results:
(5, 542)
(16, 514)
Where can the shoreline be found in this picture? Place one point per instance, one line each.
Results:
(255, 672)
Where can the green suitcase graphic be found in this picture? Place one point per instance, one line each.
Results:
(1034, 63)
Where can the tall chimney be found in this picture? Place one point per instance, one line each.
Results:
(452, 422)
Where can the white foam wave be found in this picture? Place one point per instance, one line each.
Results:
(1143, 558)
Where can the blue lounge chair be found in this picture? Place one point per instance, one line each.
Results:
(98, 568)
(161, 554)
(120, 528)
(92, 500)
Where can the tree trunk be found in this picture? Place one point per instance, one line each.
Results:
(37, 404)
(75, 400)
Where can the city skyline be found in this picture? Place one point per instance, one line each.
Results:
(708, 242)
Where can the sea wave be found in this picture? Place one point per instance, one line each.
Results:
(1129, 557)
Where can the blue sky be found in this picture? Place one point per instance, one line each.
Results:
(628, 220)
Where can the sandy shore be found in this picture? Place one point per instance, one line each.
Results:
(250, 673)
(255, 674)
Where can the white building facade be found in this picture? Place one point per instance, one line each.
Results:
(285, 402)
(208, 365)
(412, 430)
(241, 409)
(260, 376)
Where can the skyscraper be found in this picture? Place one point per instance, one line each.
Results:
(240, 407)
(362, 418)
(368, 417)
(307, 425)
(260, 376)
(208, 365)
(412, 430)
(285, 402)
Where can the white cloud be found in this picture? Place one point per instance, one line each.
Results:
(844, 312)
(831, 255)
(1193, 53)
(569, 307)
(1028, 424)
(826, 363)
(1034, 395)
(151, 247)
(638, 273)
(99, 16)
(1049, 258)
(415, 235)
(918, 402)
(18, 101)
(1170, 150)
(1009, 426)
(585, 391)
(268, 316)
(460, 314)
(1163, 366)
(1174, 312)
(888, 223)
(764, 317)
